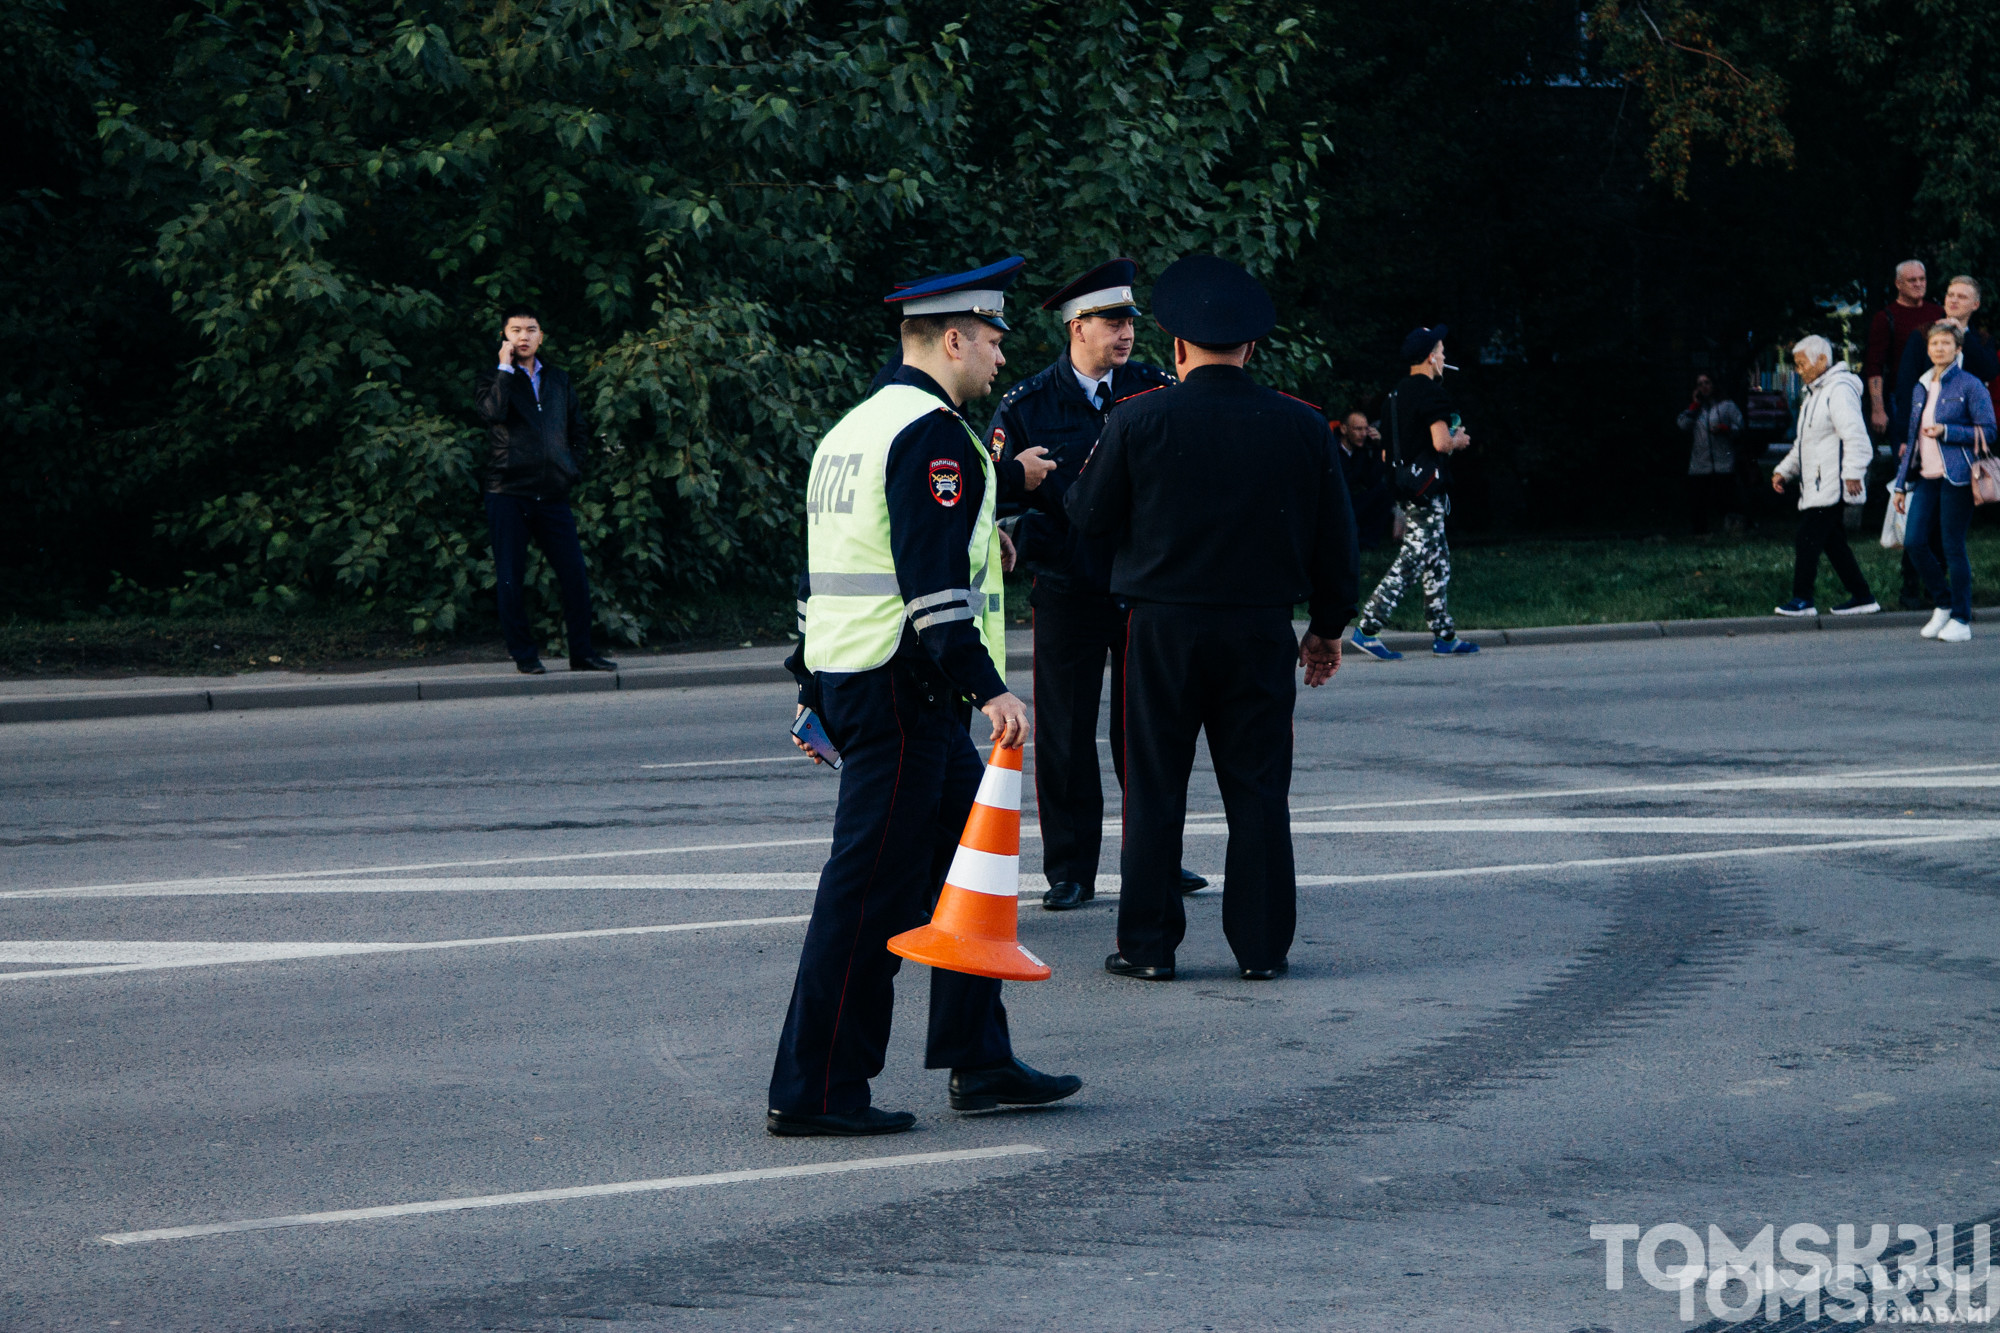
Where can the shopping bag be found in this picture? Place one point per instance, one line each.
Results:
(1893, 520)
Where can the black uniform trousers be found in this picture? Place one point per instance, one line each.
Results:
(1230, 671)
(907, 782)
(1075, 632)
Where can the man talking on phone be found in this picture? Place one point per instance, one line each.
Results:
(902, 633)
(535, 431)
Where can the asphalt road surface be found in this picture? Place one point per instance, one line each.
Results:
(1696, 931)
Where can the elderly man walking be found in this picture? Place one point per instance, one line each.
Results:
(1829, 461)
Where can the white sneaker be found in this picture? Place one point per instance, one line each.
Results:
(1939, 619)
(1955, 631)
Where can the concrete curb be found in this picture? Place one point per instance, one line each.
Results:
(1728, 627)
(83, 705)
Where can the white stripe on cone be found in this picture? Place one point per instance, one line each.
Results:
(983, 872)
(1000, 788)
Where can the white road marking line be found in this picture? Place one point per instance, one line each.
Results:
(1667, 824)
(720, 763)
(576, 1192)
(1881, 777)
(458, 884)
(781, 759)
(1658, 858)
(467, 865)
(159, 955)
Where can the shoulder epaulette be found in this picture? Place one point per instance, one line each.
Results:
(1295, 398)
(1141, 394)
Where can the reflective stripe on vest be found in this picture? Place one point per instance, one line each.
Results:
(853, 618)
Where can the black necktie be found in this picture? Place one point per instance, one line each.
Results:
(1103, 396)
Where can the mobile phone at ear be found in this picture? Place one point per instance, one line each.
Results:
(808, 729)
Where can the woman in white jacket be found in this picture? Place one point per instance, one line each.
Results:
(1829, 461)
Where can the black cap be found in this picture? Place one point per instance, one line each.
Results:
(1417, 343)
(1105, 290)
(1209, 300)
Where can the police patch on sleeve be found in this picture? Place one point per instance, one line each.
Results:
(947, 482)
(998, 444)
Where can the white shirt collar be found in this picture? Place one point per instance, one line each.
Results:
(1089, 385)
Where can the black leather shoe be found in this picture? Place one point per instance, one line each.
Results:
(531, 667)
(840, 1124)
(1011, 1084)
(1191, 882)
(1062, 897)
(1266, 973)
(1118, 965)
(592, 663)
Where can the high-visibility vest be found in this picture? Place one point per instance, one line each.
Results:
(855, 612)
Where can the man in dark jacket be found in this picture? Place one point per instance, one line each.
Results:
(536, 432)
(1056, 414)
(1225, 509)
(1369, 484)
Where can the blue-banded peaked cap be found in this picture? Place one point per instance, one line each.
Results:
(981, 292)
(1105, 290)
(1207, 299)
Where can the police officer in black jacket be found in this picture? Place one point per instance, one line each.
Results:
(535, 431)
(1227, 508)
(1078, 624)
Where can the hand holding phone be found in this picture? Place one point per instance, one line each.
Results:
(809, 735)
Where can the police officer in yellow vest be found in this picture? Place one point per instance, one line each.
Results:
(903, 627)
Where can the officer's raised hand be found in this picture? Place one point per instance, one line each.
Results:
(1035, 464)
(1009, 717)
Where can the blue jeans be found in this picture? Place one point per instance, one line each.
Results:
(516, 520)
(1934, 502)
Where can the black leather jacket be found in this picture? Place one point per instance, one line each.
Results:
(534, 446)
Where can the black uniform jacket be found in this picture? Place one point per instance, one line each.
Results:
(533, 446)
(1049, 409)
(931, 516)
(1221, 492)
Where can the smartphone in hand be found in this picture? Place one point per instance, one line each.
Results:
(808, 729)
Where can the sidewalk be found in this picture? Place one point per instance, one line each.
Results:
(57, 700)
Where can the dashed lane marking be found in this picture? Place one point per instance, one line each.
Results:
(575, 1192)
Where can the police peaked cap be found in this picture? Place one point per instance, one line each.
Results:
(1417, 343)
(1105, 290)
(981, 292)
(1206, 299)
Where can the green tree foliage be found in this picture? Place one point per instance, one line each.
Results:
(705, 200)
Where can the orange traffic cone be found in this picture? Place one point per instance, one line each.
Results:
(972, 929)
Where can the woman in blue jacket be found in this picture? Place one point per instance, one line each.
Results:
(1950, 412)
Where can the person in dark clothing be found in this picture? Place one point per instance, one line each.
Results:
(1888, 333)
(904, 632)
(1369, 485)
(1977, 358)
(535, 436)
(1226, 509)
(1423, 435)
(1055, 416)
